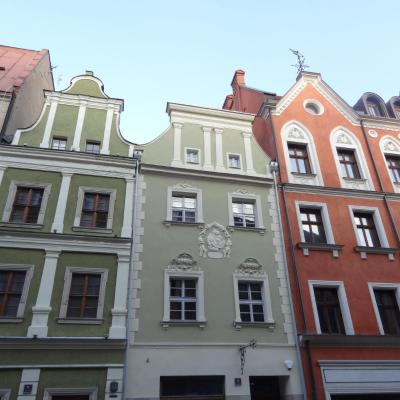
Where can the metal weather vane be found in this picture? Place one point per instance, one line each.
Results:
(301, 66)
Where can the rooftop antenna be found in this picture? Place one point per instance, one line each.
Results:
(301, 66)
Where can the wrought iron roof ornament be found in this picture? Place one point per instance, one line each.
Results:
(301, 66)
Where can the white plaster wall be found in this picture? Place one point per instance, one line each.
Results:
(147, 363)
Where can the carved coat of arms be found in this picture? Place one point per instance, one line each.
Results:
(215, 241)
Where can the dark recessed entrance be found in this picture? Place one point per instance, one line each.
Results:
(71, 397)
(192, 387)
(264, 388)
(387, 396)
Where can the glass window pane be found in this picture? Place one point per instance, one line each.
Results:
(177, 202)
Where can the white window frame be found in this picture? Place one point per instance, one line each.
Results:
(374, 211)
(240, 168)
(344, 306)
(253, 198)
(12, 191)
(5, 394)
(58, 138)
(25, 289)
(323, 208)
(50, 392)
(187, 149)
(78, 213)
(196, 275)
(266, 296)
(315, 178)
(103, 272)
(191, 192)
(355, 146)
(389, 286)
(393, 152)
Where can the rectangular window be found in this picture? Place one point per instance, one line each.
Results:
(299, 160)
(184, 208)
(84, 295)
(348, 164)
(234, 161)
(92, 147)
(373, 109)
(192, 156)
(388, 310)
(393, 164)
(11, 289)
(251, 302)
(329, 312)
(27, 203)
(366, 230)
(243, 213)
(59, 143)
(95, 210)
(183, 299)
(312, 224)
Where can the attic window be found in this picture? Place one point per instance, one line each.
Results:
(313, 107)
(2, 68)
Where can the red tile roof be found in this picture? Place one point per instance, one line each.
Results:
(16, 65)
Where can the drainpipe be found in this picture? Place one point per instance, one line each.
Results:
(385, 201)
(137, 156)
(273, 168)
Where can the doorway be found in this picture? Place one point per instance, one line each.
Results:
(264, 388)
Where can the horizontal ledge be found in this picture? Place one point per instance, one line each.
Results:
(107, 232)
(80, 321)
(303, 175)
(240, 324)
(320, 246)
(376, 250)
(246, 228)
(200, 324)
(11, 320)
(14, 225)
(182, 223)
(350, 340)
(358, 180)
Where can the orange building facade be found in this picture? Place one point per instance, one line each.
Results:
(338, 176)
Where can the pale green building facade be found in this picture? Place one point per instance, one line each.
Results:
(209, 308)
(67, 188)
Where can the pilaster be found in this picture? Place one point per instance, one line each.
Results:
(219, 162)
(128, 208)
(49, 125)
(105, 148)
(42, 308)
(29, 380)
(79, 125)
(248, 152)
(58, 223)
(177, 161)
(2, 169)
(114, 376)
(207, 148)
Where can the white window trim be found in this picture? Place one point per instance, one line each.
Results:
(325, 219)
(50, 392)
(374, 211)
(81, 194)
(266, 296)
(358, 154)
(192, 164)
(67, 287)
(344, 306)
(199, 276)
(256, 199)
(307, 140)
(25, 289)
(12, 191)
(240, 162)
(316, 103)
(5, 394)
(382, 143)
(371, 287)
(185, 189)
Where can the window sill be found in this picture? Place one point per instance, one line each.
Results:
(200, 324)
(80, 321)
(239, 325)
(103, 231)
(359, 180)
(233, 228)
(334, 248)
(12, 225)
(11, 320)
(167, 223)
(364, 250)
(304, 175)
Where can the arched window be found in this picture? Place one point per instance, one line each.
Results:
(375, 106)
(300, 155)
(390, 148)
(350, 160)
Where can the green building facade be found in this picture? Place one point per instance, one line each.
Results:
(67, 187)
(209, 311)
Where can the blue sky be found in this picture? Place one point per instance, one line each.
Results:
(152, 52)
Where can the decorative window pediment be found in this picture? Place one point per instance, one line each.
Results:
(250, 267)
(184, 262)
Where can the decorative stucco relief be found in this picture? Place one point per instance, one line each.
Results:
(215, 241)
(250, 266)
(296, 133)
(342, 138)
(391, 146)
(184, 262)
